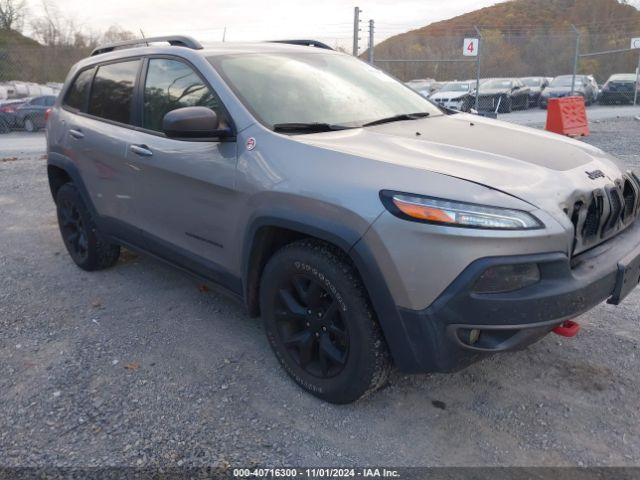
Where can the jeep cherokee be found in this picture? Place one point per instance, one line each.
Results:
(364, 224)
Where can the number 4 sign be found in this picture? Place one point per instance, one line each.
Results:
(470, 47)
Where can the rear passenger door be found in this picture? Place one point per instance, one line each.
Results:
(185, 188)
(98, 135)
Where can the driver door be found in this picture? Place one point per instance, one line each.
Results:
(185, 187)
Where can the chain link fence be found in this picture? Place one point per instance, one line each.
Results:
(30, 79)
(517, 69)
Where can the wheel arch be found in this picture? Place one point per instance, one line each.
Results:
(267, 235)
(61, 170)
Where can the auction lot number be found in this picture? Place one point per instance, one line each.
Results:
(314, 473)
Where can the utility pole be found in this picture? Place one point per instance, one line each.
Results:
(576, 59)
(477, 106)
(371, 32)
(356, 31)
(635, 95)
(224, 35)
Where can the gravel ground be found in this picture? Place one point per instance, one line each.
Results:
(140, 365)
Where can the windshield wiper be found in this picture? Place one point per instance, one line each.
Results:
(398, 118)
(308, 127)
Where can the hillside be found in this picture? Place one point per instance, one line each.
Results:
(520, 37)
(12, 38)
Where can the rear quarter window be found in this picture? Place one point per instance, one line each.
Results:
(111, 95)
(78, 92)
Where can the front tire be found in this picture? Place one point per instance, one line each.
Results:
(88, 249)
(29, 126)
(320, 324)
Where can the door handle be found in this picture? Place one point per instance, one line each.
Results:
(77, 134)
(141, 150)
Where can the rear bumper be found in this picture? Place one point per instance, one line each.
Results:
(437, 338)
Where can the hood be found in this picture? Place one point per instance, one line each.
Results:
(546, 170)
(451, 95)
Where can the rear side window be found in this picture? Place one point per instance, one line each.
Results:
(172, 84)
(112, 91)
(79, 90)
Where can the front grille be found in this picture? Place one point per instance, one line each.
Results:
(615, 214)
(605, 212)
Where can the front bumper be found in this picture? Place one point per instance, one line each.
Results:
(456, 104)
(437, 338)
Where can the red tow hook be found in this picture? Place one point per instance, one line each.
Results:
(568, 328)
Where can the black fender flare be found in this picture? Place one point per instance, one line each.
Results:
(348, 240)
(64, 163)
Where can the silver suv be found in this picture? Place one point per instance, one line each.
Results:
(365, 225)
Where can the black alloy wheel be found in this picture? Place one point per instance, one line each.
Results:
(88, 248)
(311, 327)
(320, 323)
(73, 229)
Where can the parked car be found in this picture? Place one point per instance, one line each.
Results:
(585, 86)
(8, 110)
(5, 123)
(620, 88)
(454, 95)
(365, 225)
(536, 86)
(31, 114)
(502, 95)
(423, 86)
(4, 92)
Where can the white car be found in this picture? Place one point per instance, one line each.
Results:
(454, 95)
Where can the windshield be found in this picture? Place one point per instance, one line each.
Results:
(316, 88)
(532, 82)
(623, 77)
(455, 87)
(419, 83)
(491, 84)
(565, 82)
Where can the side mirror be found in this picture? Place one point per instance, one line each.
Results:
(193, 122)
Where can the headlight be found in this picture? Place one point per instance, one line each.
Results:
(457, 214)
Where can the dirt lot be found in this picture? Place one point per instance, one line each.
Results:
(139, 366)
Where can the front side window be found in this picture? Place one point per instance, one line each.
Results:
(112, 91)
(316, 87)
(170, 85)
(77, 95)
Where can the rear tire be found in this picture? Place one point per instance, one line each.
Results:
(88, 249)
(320, 324)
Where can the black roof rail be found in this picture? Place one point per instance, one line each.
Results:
(173, 40)
(305, 43)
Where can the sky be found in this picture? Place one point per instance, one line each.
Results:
(330, 21)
